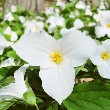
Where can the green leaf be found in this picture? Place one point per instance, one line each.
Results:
(6, 81)
(30, 97)
(4, 105)
(57, 34)
(38, 100)
(89, 96)
(53, 106)
(80, 68)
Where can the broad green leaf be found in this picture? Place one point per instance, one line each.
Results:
(89, 96)
(4, 105)
(30, 97)
(3, 72)
(6, 81)
(57, 34)
(38, 100)
(80, 68)
(53, 106)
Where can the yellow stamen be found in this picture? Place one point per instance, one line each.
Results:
(108, 25)
(56, 57)
(105, 55)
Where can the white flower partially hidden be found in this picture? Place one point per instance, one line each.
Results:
(7, 62)
(13, 9)
(104, 27)
(101, 59)
(77, 25)
(56, 59)
(3, 44)
(55, 21)
(80, 5)
(9, 17)
(22, 19)
(61, 4)
(33, 26)
(13, 35)
(88, 11)
(17, 89)
(49, 10)
(72, 15)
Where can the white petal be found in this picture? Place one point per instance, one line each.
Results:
(35, 48)
(51, 28)
(104, 71)
(106, 44)
(100, 31)
(104, 17)
(7, 62)
(3, 44)
(58, 82)
(77, 47)
(96, 58)
(17, 89)
(14, 36)
(1, 49)
(64, 31)
(11, 91)
(19, 75)
(78, 24)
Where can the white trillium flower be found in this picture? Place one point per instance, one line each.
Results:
(80, 5)
(88, 12)
(7, 62)
(56, 59)
(33, 26)
(55, 21)
(61, 4)
(57, 11)
(104, 27)
(40, 18)
(9, 17)
(96, 17)
(101, 59)
(77, 25)
(17, 89)
(49, 10)
(91, 24)
(13, 35)
(22, 19)
(13, 9)
(72, 15)
(3, 44)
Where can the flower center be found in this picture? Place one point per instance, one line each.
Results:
(57, 57)
(36, 28)
(105, 55)
(108, 25)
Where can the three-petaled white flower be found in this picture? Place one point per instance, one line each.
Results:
(61, 4)
(55, 21)
(3, 44)
(13, 9)
(76, 25)
(17, 89)
(56, 59)
(9, 17)
(33, 26)
(104, 27)
(101, 58)
(13, 35)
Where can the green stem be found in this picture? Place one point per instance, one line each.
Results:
(36, 106)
